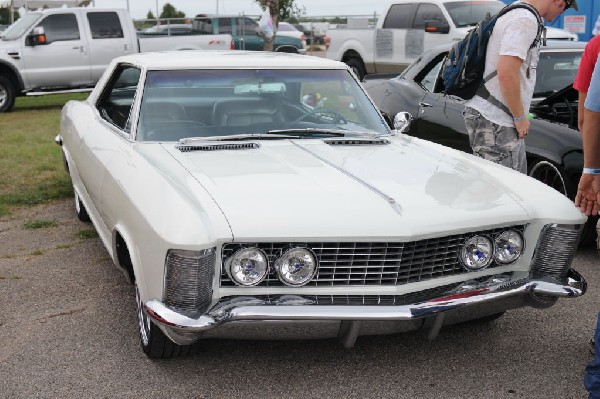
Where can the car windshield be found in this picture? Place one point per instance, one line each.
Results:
(21, 26)
(555, 71)
(469, 13)
(180, 104)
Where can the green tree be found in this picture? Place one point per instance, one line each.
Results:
(150, 15)
(5, 16)
(169, 11)
(280, 10)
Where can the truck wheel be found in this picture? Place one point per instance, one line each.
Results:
(357, 67)
(7, 94)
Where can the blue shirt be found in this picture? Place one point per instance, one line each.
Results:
(592, 101)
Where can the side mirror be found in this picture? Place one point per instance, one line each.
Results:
(36, 37)
(437, 27)
(402, 121)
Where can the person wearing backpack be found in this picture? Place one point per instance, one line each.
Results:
(497, 122)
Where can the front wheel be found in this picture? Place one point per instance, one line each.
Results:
(555, 177)
(7, 94)
(80, 209)
(154, 342)
(551, 175)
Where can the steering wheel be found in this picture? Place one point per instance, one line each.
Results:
(323, 114)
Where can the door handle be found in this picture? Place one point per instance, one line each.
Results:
(424, 104)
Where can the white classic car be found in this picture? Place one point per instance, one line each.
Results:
(251, 194)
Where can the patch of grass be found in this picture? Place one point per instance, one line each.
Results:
(40, 224)
(63, 246)
(89, 233)
(37, 252)
(10, 277)
(30, 162)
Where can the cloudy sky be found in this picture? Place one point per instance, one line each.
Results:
(139, 8)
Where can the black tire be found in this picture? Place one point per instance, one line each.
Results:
(154, 342)
(357, 67)
(8, 94)
(80, 209)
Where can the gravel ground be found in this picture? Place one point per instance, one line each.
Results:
(68, 329)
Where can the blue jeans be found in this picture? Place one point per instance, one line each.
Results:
(591, 380)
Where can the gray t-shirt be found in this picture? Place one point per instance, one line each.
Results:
(513, 35)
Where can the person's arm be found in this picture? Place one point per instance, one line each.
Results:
(510, 86)
(589, 184)
(581, 110)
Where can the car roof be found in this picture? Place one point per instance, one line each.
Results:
(200, 59)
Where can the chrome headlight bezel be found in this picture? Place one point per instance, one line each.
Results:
(308, 273)
(515, 241)
(235, 261)
(477, 246)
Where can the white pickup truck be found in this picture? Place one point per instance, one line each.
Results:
(69, 49)
(406, 28)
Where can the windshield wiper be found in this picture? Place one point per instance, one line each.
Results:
(323, 132)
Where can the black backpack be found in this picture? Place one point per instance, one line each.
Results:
(463, 69)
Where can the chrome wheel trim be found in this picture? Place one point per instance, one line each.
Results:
(3, 96)
(143, 319)
(548, 174)
(77, 204)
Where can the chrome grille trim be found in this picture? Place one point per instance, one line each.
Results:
(188, 281)
(366, 300)
(555, 249)
(370, 263)
(217, 147)
(356, 141)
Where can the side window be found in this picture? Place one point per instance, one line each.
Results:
(60, 27)
(249, 27)
(225, 25)
(105, 25)
(429, 77)
(400, 16)
(117, 99)
(427, 13)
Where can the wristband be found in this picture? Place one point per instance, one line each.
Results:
(520, 118)
(591, 171)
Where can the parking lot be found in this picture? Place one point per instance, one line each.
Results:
(68, 329)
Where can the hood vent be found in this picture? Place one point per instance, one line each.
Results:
(356, 141)
(217, 147)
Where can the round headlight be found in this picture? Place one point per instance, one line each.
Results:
(248, 266)
(476, 253)
(508, 246)
(296, 266)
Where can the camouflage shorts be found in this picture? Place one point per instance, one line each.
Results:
(495, 143)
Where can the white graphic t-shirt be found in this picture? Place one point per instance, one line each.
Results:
(513, 35)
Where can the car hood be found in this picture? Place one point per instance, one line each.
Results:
(308, 188)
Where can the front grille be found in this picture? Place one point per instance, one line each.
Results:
(364, 300)
(370, 263)
(188, 281)
(556, 249)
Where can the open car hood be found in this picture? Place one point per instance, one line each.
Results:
(567, 93)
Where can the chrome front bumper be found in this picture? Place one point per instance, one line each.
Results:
(532, 291)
